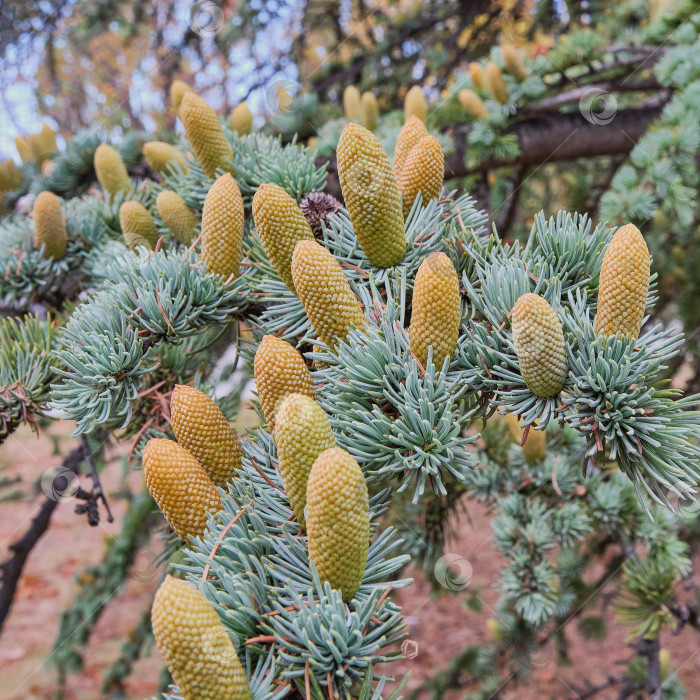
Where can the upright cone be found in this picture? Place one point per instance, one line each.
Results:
(279, 370)
(495, 82)
(624, 284)
(513, 63)
(370, 111)
(325, 292)
(49, 225)
(535, 446)
(137, 226)
(222, 227)
(177, 216)
(539, 343)
(302, 433)
(436, 310)
(241, 119)
(202, 429)
(409, 136)
(337, 520)
(204, 132)
(195, 644)
(160, 155)
(477, 76)
(352, 104)
(415, 104)
(280, 224)
(473, 104)
(180, 486)
(371, 196)
(423, 171)
(110, 170)
(178, 88)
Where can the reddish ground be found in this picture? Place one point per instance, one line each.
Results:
(440, 625)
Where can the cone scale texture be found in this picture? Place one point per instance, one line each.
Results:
(422, 172)
(279, 370)
(222, 227)
(337, 522)
(371, 196)
(137, 225)
(204, 132)
(49, 225)
(195, 644)
(436, 310)
(202, 429)
(280, 224)
(539, 343)
(177, 216)
(181, 488)
(302, 433)
(110, 170)
(159, 155)
(624, 284)
(325, 292)
(411, 133)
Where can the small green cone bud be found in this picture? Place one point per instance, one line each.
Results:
(279, 371)
(137, 226)
(624, 284)
(415, 103)
(352, 104)
(177, 216)
(202, 429)
(436, 310)
(496, 84)
(513, 63)
(280, 224)
(222, 227)
(325, 292)
(477, 76)
(370, 111)
(180, 486)
(409, 136)
(204, 132)
(110, 170)
(371, 196)
(337, 520)
(473, 104)
(49, 225)
(241, 119)
(195, 644)
(178, 88)
(159, 155)
(539, 344)
(423, 171)
(302, 433)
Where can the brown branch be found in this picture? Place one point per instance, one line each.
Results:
(11, 570)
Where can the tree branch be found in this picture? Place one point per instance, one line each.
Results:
(12, 569)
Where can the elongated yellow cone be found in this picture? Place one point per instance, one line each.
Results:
(110, 170)
(177, 216)
(539, 343)
(241, 119)
(49, 225)
(624, 284)
(138, 227)
(222, 227)
(411, 133)
(279, 370)
(160, 155)
(195, 644)
(325, 292)
(201, 427)
(337, 520)
(415, 104)
(423, 172)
